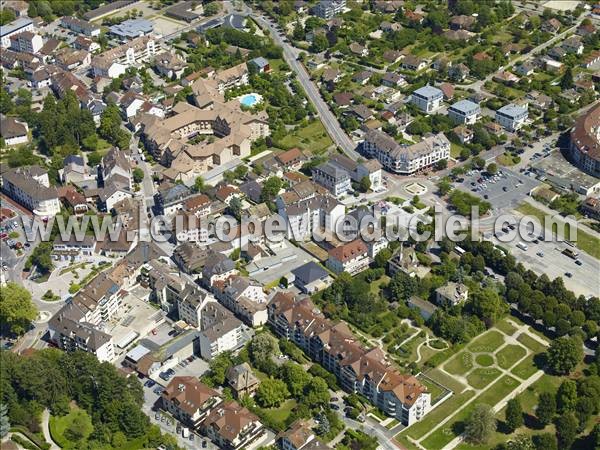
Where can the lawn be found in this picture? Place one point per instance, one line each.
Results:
(484, 360)
(59, 426)
(312, 138)
(460, 364)
(447, 381)
(531, 343)
(584, 241)
(279, 416)
(506, 159)
(525, 368)
(455, 150)
(506, 327)
(433, 388)
(406, 444)
(443, 435)
(482, 377)
(487, 342)
(419, 429)
(509, 355)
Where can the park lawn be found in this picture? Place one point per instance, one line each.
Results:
(585, 241)
(443, 435)
(447, 381)
(482, 377)
(391, 424)
(488, 342)
(406, 444)
(426, 353)
(484, 360)
(279, 416)
(455, 150)
(531, 343)
(525, 368)
(509, 355)
(312, 138)
(460, 364)
(506, 327)
(376, 285)
(420, 429)
(432, 388)
(59, 424)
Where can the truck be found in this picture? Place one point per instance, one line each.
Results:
(570, 253)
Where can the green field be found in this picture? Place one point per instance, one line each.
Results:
(482, 377)
(525, 368)
(586, 242)
(506, 327)
(312, 138)
(59, 428)
(419, 429)
(460, 364)
(488, 342)
(484, 360)
(432, 388)
(279, 416)
(531, 343)
(509, 355)
(447, 381)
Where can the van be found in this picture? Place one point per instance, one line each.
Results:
(522, 246)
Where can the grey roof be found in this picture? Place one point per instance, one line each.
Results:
(332, 170)
(175, 192)
(132, 28)
(21, 178)
(73, 159)
(466, 107)
(252, 190)
(15, 25)
(309, 272)
(512, 110)
(217, 264)
(260, 62)
(429, 92)
(234, 21)
(67, 322)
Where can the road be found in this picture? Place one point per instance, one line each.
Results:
(330, 122)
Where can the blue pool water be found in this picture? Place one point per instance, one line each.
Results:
(249, 100)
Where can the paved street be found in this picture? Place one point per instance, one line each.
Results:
(330, 122)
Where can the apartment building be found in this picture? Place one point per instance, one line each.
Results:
(244, 298)
(190, 304)
(189, 400)
(26, 42)
(300, 436)
(427, 99)
(69, 330)
(336, 180)
(451, 294)
(585, 142)
(464, 112)
(220, 331)
(406, 159)
(21, 25)
(114, 62)
(358, 170)
(327, 9)
(360, 370)
(231, 426)
(30, 186)
(315, 214)
(512, 117)
(13, 131)
(351, 257)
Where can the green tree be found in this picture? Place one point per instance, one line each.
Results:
(382, 258)
(271, 393)
(6, 16)
(17, 311)
(403, 286)
(262, 349)
(566, 82)
(564, 354)
(566, 430)
(545, 441)
(4, 421)
(316, 393)
(480, 425)
(546, 408)
(320, 43)
(295, 377)
(235, 208)
(138, 175)
(514, 414)
(492, 169)
(199, 185)
(441, 164)
(212, 8)
(270, 189)
(218, 369)
(365, 184)
(566, 396)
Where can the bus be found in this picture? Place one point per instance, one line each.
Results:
(570, 253)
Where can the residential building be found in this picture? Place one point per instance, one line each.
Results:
(244, 297)
(260, 64)
(358, 170)
(458, 72)
(84, 43)
(464, 134)
(241, 380)
(309, 216)
(360, 370)
(426, 309)
(573, 45)
(300, 436)
(231, 426)
(406, 159)
(184, 11)
(337, 181)
(132, 28)
(511, 117)
(114, 62)
(464, 112)
(591, 207)
(70, 332)
(169, 65)
(291, 159)
(220, 331)
(26, 42)
(585, 142)
(551, 26)
(525, 69)
(413, 63)
(20, 25)
(394, 80)
(18, 7)
(191, 303)
(358, 50)
(351, 257)
(73, 249)
(13, 131)
(80, 26)
(427, 99)
(451, 294)
(327, 9)
(218, 267)
(311, 278)
(30, 186)
(189, 400)
(591, 60)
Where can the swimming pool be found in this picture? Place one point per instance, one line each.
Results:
(250, 100)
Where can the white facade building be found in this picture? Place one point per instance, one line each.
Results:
(511, 117)
(464, 112)
(427, 99)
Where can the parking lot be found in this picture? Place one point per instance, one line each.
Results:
(506, 189)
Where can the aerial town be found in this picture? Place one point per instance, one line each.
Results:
(300, 224)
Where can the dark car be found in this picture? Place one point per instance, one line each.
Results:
(578, 262)
(568, 274)
(149, 383)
